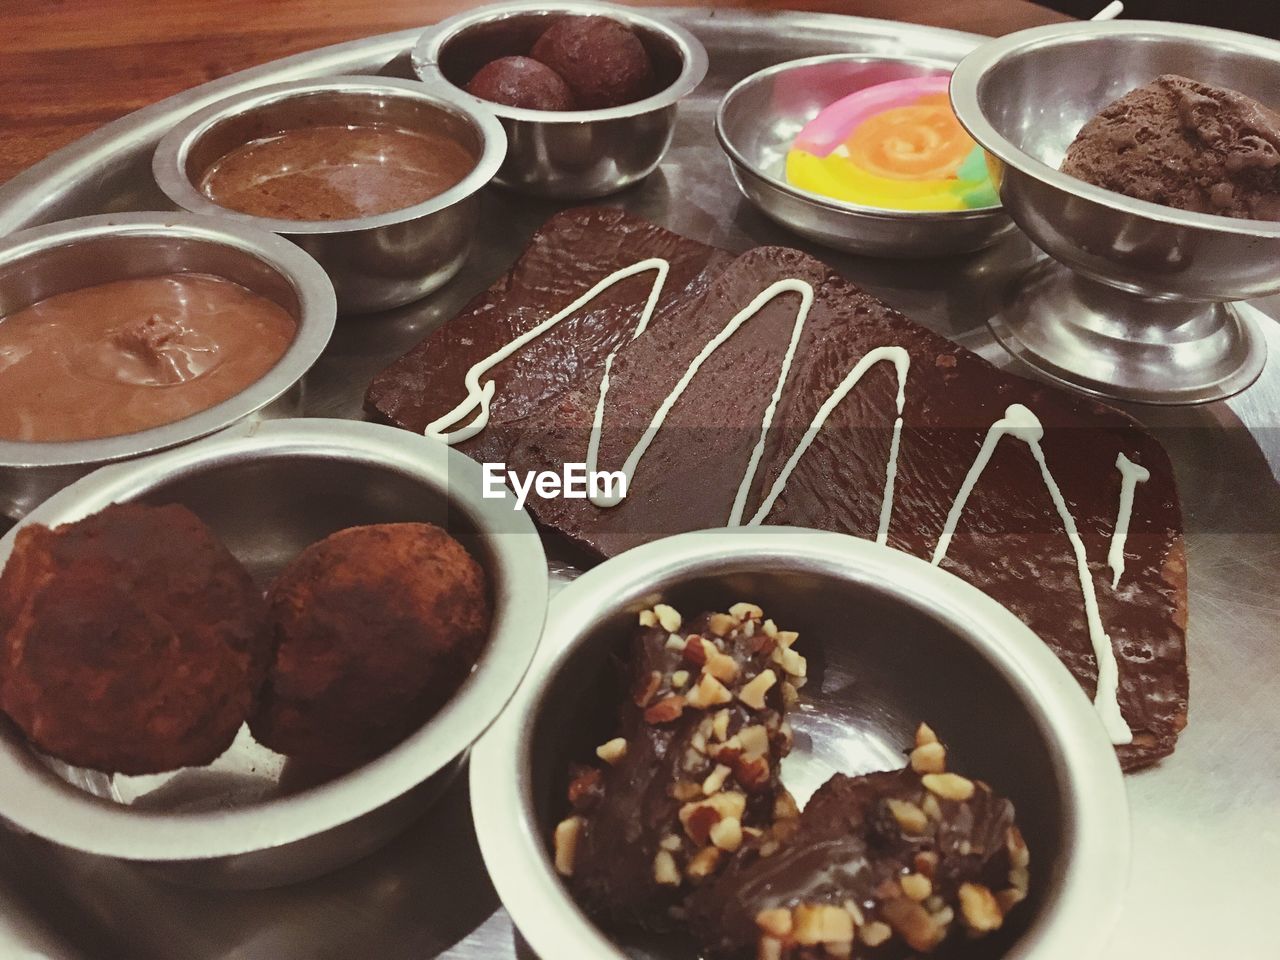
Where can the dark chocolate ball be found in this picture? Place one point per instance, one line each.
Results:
(521, 82)
(602, 61)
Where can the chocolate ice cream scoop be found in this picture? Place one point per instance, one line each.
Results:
(1184, 144)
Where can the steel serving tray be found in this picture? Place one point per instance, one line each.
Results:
(1204, 837)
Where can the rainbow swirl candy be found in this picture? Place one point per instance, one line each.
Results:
(896, 146)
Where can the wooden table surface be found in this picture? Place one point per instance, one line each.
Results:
(69, 66)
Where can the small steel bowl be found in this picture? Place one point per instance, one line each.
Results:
(761, 116)
(891, 641)
(72, 254)
(375, 262)
(269, 490)
(568, 154)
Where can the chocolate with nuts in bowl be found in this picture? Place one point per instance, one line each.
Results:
(693, 770)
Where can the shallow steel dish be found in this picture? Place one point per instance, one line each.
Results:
(891, 641)
(761, 116)
(569, 154)
(269, 490)
(72, 254)
(375, 262)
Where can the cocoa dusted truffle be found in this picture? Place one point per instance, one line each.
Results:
(521, 82)
(376, 627)
(1187, 145)
(133, 641)
(603, 62)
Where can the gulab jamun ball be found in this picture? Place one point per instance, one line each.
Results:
(131, 641)
(521, 82)
(375, 628)
(603, 62)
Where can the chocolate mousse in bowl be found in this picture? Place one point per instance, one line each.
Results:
(121, 335)
(377, 178)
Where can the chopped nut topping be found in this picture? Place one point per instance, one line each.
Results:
(727, 834)
(930, 758)
(979, 908)
(775, 922)
(913, 923)
(646, 693)
(753, 693)
(786, 638)
(754, 740)
(855, 911)
(746, 611)
(671, 842)
(704, 863)
(793, 663)
(665, 710)
(1010, 898)
(949, 786)
(715, 779)
(695, 650)
(720, 726)
(910, 817)
(874, 933)
(721, 666)
(925, 735)
(721, 624)
(768, 849)
(648, 618)
(930, 807)
(770, 949)
(613, 751)
(770, 629)
(679, 679)
(916, 886)
(709, 692)
(665, 871)
(566, 843)
(1019, 855)
(675, 642)
(926, 862)
(668, 617)
(821, 923)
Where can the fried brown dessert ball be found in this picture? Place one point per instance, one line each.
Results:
(603, 62)
(376, 627)
(133, 641)
(521, 82)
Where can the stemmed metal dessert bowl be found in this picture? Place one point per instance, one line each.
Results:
(1137, 301)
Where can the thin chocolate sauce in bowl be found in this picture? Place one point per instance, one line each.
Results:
(377, 178)
(126, 334)
(336, 172)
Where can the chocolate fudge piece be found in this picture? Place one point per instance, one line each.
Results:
(886, 865)
(693, 770)
(1009, 539)
(1187, 145)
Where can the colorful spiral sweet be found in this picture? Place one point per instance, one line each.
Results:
(896, 146)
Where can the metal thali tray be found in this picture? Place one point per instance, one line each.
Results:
(1204, 843)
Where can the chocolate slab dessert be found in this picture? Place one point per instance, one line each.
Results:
(1184, 144)
(1059, 507)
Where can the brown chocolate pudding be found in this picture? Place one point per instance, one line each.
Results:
(336, 172)
(133, 354)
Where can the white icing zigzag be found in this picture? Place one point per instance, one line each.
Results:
(1131, 474)
(1018, 422)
